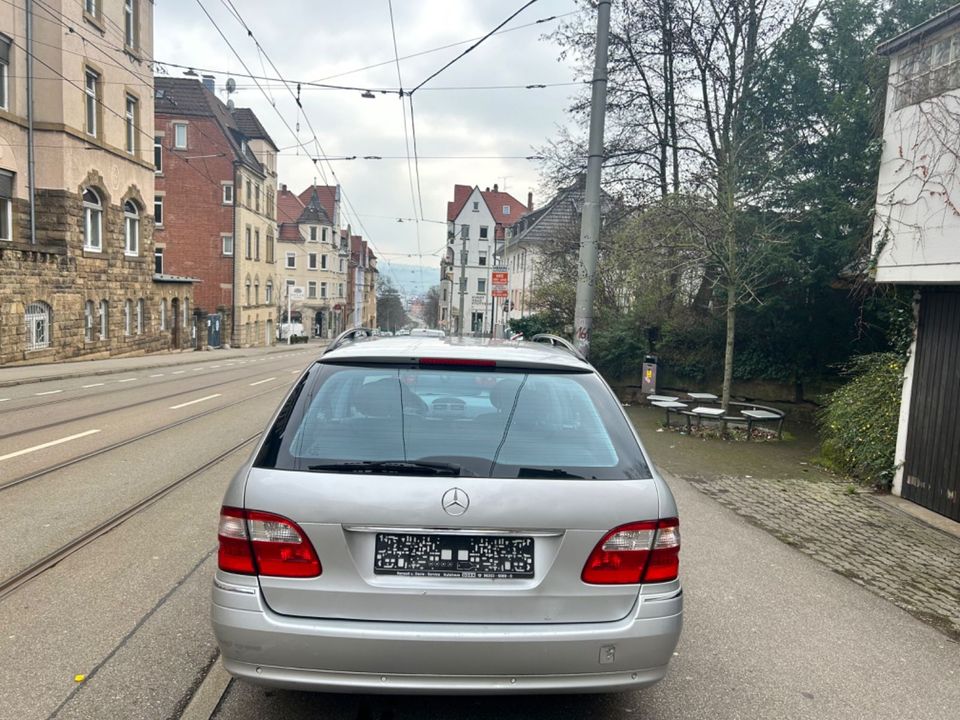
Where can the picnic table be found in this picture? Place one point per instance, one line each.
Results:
(762, 416)
(654, 399)
(701, 412)
(702, 397)
(670, 406)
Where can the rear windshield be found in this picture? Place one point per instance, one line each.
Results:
(474, 421)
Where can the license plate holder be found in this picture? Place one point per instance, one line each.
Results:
(499, 557)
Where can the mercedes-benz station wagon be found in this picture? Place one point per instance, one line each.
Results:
(441, 516)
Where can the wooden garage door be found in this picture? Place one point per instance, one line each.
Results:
(931, 476)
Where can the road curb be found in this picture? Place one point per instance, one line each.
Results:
(207, 697)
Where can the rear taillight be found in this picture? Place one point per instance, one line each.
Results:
(636, 553)
(254, 542)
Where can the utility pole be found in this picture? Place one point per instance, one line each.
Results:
(590, 219)
(463, 277)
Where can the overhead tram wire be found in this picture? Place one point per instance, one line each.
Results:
(444, 47)
(316, 140)
(474, 46)
(406, 140)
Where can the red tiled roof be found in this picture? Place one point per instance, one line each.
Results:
(290, 233)
(461, 193)
(495, 200)
(289, 207)
(327, 195)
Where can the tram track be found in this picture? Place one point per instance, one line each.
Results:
(38, 567)
(129, 441)
(117, 408)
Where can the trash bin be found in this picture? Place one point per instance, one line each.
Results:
(648, 383)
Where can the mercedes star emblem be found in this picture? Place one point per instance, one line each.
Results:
(455, 502)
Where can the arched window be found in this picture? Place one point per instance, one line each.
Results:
(140, 316)
(104, 319)
(256, 292)
(88, 321)
(127, 316)
(37, 319)
(248, 291)
(92, 220)
(163, 313)
(131, 228)
(268, 297)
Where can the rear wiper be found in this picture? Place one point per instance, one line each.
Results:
(528, 472)
(399, 467)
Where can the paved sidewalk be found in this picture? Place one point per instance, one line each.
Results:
(25, 374)
(860, 535)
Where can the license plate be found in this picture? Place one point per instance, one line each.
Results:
(454, 556)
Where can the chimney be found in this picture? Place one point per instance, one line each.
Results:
(488, 189)
(209, 84)
(283, 187)
(496, 188)
(530, 201)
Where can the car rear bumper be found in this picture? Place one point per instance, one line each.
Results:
(353, 656)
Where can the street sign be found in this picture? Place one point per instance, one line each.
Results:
(499, 280)
(499, 291)
(297, 292)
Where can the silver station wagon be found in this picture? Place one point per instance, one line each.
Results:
(429, 515)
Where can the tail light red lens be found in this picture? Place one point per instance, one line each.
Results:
(636, 553)
(254, 542)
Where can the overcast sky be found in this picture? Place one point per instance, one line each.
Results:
(317, 39)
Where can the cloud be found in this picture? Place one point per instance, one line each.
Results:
(311, 40)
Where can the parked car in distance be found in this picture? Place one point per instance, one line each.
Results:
(424, 516)
(427, 332)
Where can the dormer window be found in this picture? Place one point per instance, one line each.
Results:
(506, 209)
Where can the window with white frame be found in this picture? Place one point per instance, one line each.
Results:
(130, 124)
(131, 228)
(506, 209)
(476, 206)
(313, 233)
(88, 321)
(37, 318)
(256, 292)
(482, 258)
(930, 70)
(91, 91)
(6, 205)
(140, 312)
(340, 290)
(312, 289)
(268, 293)
(163, 313)
(92, 220)
(323, 289)
(127, 316)
(158, 260)
(342, 265)
(158, 210)
(481, 285)
(158, 154)
(227, 242)
(92, 7)
(104, 319)
(228, 194)
(484, 232)
(130, 23)
(247, 288)
(256, 243)
(323, 262)
(5, 44)
(311, 261)
(180, 136)
(291, 261)
(324, 237)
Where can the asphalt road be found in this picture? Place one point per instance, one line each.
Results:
(769, 632)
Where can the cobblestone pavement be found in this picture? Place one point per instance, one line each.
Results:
(911, 564)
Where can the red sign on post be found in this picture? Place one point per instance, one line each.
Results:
(498, 293)
(498, 277)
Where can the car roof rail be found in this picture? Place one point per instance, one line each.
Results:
(349, 336)
(558, 341)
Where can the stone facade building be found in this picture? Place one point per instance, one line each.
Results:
(313, 256)
(76, 231)
(215, 198)
(361, 284)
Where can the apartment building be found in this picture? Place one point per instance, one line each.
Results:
(76, 182)
(215, 204)
(314, 256)
(476, 224)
